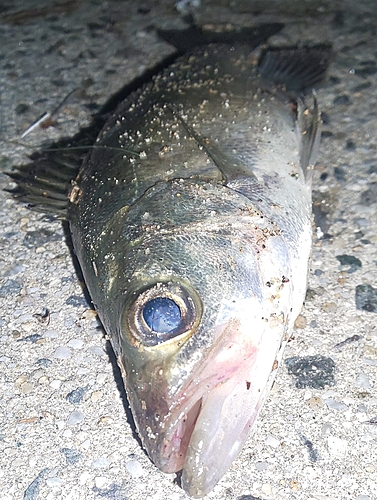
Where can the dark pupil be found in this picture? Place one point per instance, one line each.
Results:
(162, 315)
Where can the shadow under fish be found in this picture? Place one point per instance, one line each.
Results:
(191, 220)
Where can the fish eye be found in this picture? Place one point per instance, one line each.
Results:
(162, 315)
(161, 312)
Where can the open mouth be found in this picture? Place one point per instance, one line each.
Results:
(175, 449)
(205, 439)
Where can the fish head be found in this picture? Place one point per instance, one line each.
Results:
(203, 318)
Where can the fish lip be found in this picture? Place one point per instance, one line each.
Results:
(176, 443)
(169, 452)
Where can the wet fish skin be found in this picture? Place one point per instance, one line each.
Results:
(198, 191)
(209, 193)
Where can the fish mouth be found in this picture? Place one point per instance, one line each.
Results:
(203, 438)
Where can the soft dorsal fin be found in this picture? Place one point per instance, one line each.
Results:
(297, 69)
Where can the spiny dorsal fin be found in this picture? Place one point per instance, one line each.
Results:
(187, 39)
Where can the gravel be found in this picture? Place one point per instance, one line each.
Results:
(65, 427)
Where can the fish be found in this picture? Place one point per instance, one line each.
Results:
(191, 219)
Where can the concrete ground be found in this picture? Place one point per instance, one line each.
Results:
(64, 432)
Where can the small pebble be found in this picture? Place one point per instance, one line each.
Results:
(101, 463)
(20, 380)
(342, 99)
(106, 420)
(300, 321)
(337, 447)
(261, 466)
(272, 441)
(51, 334)
(347, 341)
(363, 381)
(72, 456)
(370, 351)
(55, 384)
(101, 378)
(85, 445)
(362, 408)
(89, 314)
(326, 429)
(311, 371)
(35, 239)
(96, 396)
(294, 485)
(97, 350)
(32, 491)
(134, 468)
(76, 396)
(266, 489)
(75, 343)
(53, 482)
(76, 417)
(340, 174)
(76, 301)
(26, 388)
(370, 195)
(44, 362)
(366, 298)
(315, 403)
(62, 353)
(349, 260)
(84, 477)
(313, 453)
(329, 307)
(10, 287)
(31, 338)
(22, 108)
(335, 405)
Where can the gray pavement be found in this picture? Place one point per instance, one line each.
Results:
(64, 432)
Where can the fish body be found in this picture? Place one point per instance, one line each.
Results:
(191, 220)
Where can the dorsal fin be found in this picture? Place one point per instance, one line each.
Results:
(187, 39)
(297, 69)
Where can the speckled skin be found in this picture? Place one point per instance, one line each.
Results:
(198, 181)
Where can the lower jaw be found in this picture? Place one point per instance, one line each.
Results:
(175, 448)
